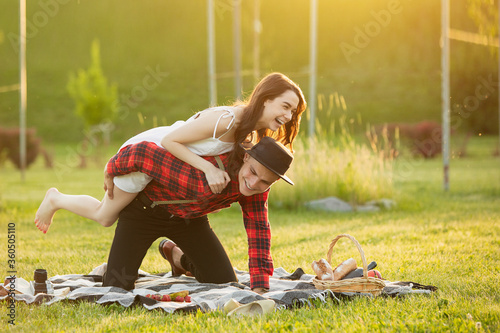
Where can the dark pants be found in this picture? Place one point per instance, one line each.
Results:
(139, 226)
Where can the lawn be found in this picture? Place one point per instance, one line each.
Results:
(447, 239)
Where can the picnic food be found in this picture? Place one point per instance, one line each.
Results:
(322, 269)
(180, 296)
(374, 273)
(358, 272)
(361, 284)
(344, 268)
(183, 293)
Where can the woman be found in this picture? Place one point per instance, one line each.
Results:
(273, 109)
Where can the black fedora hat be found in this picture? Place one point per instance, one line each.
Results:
(273, 155)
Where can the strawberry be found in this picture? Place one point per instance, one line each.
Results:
(179, 299)
(187, 299)
(165, 298)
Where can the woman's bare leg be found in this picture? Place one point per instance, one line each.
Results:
(104, 212)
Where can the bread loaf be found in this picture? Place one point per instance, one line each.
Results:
(322, 269)
(344, 268)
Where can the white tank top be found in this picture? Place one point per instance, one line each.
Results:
(206, 147)
(136, 181)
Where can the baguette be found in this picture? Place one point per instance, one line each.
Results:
(322, 269)
(344, 268)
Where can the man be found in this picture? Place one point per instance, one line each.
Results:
(175, 205)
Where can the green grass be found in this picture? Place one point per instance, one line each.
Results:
(447, 239)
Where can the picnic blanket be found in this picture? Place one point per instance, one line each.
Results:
(287, 290)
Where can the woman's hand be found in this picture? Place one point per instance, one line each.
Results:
(108, 184)
(217, 179)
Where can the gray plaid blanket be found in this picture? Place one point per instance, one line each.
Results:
(287, 290)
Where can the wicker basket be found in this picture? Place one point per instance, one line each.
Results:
(362, 284)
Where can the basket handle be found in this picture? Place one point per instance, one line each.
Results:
(334, 241)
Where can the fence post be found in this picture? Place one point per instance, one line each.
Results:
(22, 87)
(445, 89)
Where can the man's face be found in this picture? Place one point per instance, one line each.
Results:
(254, 178)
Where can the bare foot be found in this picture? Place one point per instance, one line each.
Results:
(46, 211)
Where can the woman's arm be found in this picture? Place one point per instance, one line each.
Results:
(195, 130)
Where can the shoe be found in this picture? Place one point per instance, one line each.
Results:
(231, 305)
(166, 246)
(251, 309)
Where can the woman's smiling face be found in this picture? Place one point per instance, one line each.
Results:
(278, 111)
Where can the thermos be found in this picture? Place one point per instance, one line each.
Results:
(40, 277)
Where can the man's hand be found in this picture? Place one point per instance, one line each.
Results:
(260, 291)
(108, 184)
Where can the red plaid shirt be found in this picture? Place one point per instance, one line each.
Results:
(174, 179)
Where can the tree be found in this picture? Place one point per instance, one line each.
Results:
(96, 102)
(484, 13)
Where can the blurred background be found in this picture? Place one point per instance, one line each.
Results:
(383, 75)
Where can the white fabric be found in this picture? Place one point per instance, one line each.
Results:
(137, 181)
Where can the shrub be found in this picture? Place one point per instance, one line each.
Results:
(427, 139)
(96, 102)
(9, 147)
(423, 139)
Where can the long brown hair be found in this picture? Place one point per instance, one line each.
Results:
(270, 87)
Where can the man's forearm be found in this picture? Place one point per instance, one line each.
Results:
(258, 230)
(260, 260)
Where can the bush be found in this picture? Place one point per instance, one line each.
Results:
(96, 102)
(9, 147)
(423, 139)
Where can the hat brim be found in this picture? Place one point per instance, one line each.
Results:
(252, 153)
